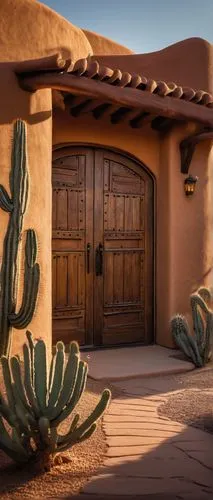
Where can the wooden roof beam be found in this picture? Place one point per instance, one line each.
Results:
(50, 63)
(166, 106)
(162, 124)
(187, 148)
(119, 115)
(140, 120)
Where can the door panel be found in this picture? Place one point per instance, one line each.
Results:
(72, 310)
(105, 295)
(123, 300)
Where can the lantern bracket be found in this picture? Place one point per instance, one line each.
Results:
(188, 145)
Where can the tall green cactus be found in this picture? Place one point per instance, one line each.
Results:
(39, 399)
(196, 347)
(16, 206)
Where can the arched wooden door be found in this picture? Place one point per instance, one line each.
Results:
(102, 248)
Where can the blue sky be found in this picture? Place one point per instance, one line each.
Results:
(141, 25)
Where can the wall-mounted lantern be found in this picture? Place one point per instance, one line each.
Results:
(189, 185)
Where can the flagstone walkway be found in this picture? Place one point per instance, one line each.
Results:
(148, 455)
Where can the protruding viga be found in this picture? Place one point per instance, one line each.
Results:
(40, 399)
(15, 205)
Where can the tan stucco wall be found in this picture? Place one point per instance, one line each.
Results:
(184, 226)
(101, 132)
(28, 29)
(102, 45)
(184, 230)
(187, 63)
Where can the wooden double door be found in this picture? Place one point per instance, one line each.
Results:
(102, 248)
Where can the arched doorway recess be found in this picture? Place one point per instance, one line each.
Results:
(103, 247)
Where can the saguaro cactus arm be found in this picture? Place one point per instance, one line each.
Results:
(16, 206)
(31, 282)
(5, 201)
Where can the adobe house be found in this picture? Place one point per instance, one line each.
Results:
(111, 137)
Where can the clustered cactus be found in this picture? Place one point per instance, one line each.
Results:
(16, 207)
(39, 399)
(196, 347)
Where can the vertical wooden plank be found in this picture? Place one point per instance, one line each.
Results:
(61, 280)
(128, 211)
(127, 276)
(81, 280)
(89, 239)
(111, 213)
(136, 213)
(54, 210)
(72, 210)
(118, 277)
(54, 281)
(98, 239)
(108, 278)
(119, 203)
(62, 209)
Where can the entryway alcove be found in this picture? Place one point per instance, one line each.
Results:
(102, 246)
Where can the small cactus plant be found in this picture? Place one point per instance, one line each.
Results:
(40, 399)
(16, 206)
(196, 347)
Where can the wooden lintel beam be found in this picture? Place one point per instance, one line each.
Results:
(139, 120)
(83, 107)
(119, 115)
(176, 109)
(99, 111)
(162, 124)
(188, 145)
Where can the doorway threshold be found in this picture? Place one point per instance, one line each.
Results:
(135, 361)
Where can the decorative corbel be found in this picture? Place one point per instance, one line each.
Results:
(187, 147)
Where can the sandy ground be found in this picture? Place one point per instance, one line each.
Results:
(193, 405)
(66, 479)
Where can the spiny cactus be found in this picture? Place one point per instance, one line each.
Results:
(16, 206)
(40, 399)
(196, 347)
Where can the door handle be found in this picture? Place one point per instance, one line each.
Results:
(99, 260)
(88, 257)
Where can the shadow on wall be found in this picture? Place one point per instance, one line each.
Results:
(15, 102)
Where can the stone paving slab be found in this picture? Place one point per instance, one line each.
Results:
(142, 432)
(128, 485)
(163, 467)
(114, 410)
(135, 403)
(132, 418)
(151, 456)
(150, 426)
(84, 496)
(159, 451)
(204, 457)
(126, 362)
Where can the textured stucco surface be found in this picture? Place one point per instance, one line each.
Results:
(102, 45)
(184, 227)
(187, 63)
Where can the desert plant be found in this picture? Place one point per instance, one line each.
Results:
(196, 347)
(39, 399)
(16, 206)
